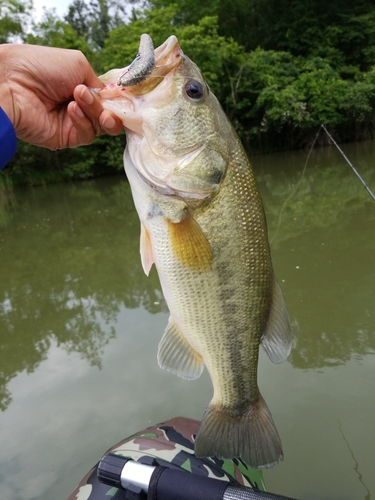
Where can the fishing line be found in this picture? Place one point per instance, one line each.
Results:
(349, 163)
(296, 186)
(322, 126)
(356, 464)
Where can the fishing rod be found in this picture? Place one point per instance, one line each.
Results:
(348, 161)
(144, 480)
(322, 126)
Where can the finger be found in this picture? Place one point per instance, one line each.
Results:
(84, 131)
(110, 123)
(90, 105)
(93, 109)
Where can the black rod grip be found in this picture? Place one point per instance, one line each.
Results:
(171, 484)
(110, 468)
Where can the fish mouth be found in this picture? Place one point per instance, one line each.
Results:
(168, 55)
(146, 71)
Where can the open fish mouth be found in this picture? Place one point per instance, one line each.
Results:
(148, 68)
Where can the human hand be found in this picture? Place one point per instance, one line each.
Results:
(37, 85)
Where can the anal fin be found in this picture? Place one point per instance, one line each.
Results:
(177, 356)
(277, 338)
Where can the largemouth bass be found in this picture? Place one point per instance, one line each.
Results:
(204, 228)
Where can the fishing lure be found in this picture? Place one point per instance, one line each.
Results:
(142, 65)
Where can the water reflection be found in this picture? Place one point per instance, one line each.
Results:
(71, 279)
(300, 197)
(323, 245)
(69, 260)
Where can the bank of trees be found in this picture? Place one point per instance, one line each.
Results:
(279, 67)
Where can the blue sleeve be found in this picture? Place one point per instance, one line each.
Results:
(8, 139)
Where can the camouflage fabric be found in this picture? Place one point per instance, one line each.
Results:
(170, 444)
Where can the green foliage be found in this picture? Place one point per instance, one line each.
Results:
(216, 56)
(95, 20)
(187, 11)
(284, 96)
(33, 166)
(14, 18)
(53, 32)
(280, 68)
(122, 43)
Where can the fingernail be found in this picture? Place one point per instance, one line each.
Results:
(78, 111)
(86, 96)
(108, 122)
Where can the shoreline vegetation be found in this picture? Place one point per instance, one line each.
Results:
(280, 69)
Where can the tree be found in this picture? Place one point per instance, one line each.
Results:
(187, 12)
(342, 31)
(15, 15)
(78, 18)
(280, 68)
(96, 19)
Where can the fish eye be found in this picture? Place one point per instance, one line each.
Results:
(194, 90)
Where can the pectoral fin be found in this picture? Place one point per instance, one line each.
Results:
(190, 245)
(277, 338)
(177, 356)
(147, 255)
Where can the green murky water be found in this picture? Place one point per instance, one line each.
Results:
(80, 324)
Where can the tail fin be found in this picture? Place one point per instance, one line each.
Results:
(252, 437)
